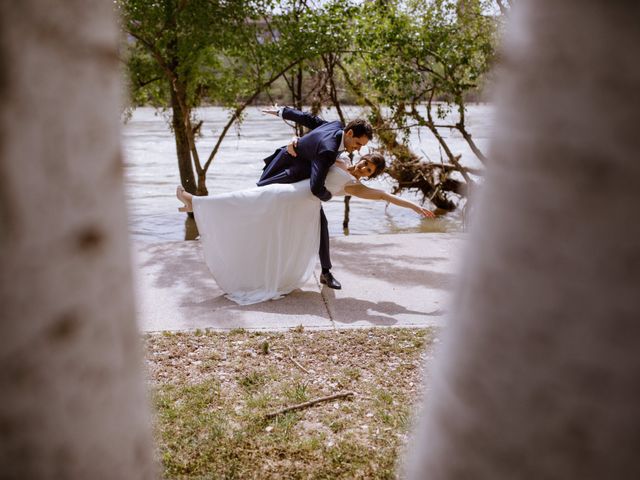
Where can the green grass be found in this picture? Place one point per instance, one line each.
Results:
(213, 390)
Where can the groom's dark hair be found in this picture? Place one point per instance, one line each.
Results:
(360, 127)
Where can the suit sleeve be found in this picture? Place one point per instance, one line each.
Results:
(303, 118)
(319, 170)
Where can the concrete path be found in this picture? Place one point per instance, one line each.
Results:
(401, 280)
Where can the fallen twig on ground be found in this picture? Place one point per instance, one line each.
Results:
(295, 362)
(310, 403)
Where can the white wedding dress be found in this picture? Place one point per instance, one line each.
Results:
(263, 242)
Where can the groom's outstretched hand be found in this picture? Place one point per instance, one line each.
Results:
(291, 148)
(271, 110)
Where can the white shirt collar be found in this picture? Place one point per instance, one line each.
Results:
(341, 147)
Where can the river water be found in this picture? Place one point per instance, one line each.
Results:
(151, 171)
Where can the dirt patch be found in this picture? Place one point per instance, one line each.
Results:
(212, 392)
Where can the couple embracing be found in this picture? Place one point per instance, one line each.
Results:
(261, 243)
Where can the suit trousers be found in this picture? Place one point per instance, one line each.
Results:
(325, 259)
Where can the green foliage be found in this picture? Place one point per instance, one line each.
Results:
(396, 54)
(210, 48)
(252, 381)
(409, 51)
(400, 50)
(413, 62)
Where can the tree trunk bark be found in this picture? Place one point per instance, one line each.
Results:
(73, 398)
(297, 97)
(347, 211)
(185, 165)
(179, 108)
(538, 374)
(202, 190)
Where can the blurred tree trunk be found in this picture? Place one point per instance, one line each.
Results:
(538, 375)
(73, 401)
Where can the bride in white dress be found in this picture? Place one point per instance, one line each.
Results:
(262, 243)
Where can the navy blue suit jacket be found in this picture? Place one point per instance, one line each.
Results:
(317, 151)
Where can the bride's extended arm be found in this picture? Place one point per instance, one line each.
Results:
(360, 191)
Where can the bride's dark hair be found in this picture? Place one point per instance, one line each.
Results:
(378, 160)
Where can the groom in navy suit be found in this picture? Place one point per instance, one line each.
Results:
(315, 153)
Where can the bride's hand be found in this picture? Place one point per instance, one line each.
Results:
(424, 212)
(291, 148)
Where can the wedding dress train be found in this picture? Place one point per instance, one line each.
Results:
(262, 243)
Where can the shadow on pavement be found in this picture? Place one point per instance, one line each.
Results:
(376, 313)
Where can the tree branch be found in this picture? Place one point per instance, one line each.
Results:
(419, 124)
(431, 126)
(467, 136)
(241, 108)
(156, 54)
(141, 84)
(310, 403)
(329, 63)
(504, 10)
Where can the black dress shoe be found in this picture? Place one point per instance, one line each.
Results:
(328, 280)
